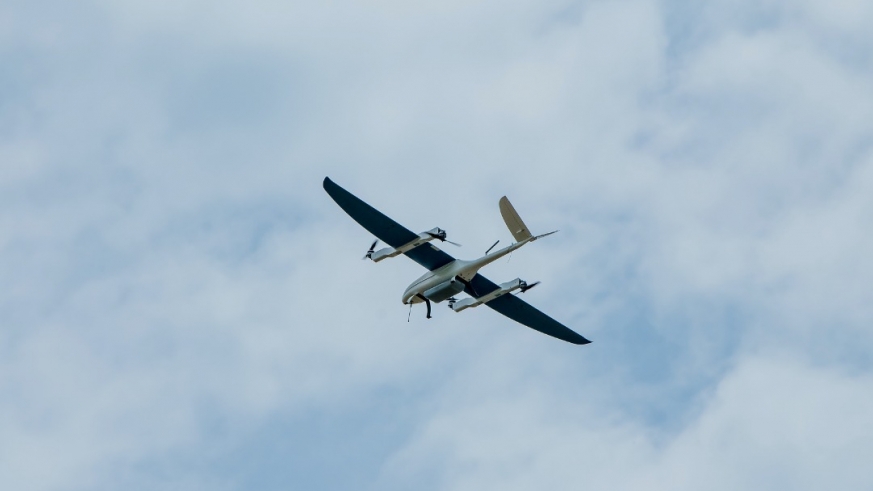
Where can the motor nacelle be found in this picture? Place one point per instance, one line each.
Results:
(383, 253)
(444, 290)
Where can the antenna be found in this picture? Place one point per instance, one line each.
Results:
(492, 247)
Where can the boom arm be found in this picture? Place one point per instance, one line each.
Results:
(422, 238)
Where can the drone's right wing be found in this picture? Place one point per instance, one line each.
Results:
(522, 312)
(386, 229)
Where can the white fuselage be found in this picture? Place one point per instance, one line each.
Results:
(466, 270)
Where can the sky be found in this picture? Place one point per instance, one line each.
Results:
(183, 307)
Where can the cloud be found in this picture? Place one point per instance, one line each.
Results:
(770, 423)
(184, 307)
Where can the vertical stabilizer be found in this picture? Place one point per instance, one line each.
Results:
(516, 227)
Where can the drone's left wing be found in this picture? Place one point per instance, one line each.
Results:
(386, 229)
(522, 312)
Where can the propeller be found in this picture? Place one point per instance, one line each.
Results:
(492, 247)
(369, 254)
(525, 287)
(441, 235)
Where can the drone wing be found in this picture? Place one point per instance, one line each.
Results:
(522, 312)
(386, 229)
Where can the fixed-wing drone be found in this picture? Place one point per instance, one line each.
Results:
(447, 276)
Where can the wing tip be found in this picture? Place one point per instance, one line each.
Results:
(578, 339)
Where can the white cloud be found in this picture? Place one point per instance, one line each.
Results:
(770, 424)
(171, 261)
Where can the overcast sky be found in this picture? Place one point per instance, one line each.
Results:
(183, 307)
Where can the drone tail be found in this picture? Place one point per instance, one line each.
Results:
(513, 222)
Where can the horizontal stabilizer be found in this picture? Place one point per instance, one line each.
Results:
(516, 227)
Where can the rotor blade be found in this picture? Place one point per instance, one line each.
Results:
(525, 287)
(492, 247)
(371, 249)
(442, 238)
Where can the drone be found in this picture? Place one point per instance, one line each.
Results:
(447, 276)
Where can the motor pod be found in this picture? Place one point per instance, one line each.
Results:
(444, 290)
(383, 253)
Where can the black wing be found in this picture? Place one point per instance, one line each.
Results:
(386, 229)
(520, 311)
